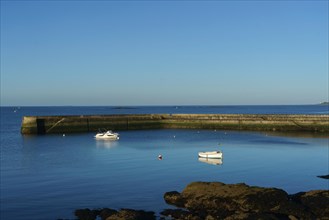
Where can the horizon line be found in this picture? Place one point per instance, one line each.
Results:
(167, 105)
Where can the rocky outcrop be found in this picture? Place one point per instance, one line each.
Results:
(111, 214)
(324, 177)
(315, 201)
(215, 200)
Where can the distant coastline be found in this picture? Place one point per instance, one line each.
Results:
(159, 105)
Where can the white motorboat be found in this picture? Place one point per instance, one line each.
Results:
(108, 135)
(211, 154)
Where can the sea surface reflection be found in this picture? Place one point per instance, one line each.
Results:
(106, 143)
(61, 174)
(212, 161)
(48, 177)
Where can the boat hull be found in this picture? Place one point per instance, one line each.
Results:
(211, 154)
(106, 138)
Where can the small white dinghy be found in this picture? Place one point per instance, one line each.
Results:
(211, 154)
(108, 135)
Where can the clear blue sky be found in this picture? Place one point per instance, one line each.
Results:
(164, 52)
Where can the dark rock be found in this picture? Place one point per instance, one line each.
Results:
(105, 213)
(258, 216)
(324, 177)
(180, 214)
(130, 214)
(240, 201)
(111, 214)
(315, 201)
(215, 200)
(86, 214)
(174, 198)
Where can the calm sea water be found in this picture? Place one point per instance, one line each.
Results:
(48, 177)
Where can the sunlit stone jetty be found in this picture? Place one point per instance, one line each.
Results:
(252, 122)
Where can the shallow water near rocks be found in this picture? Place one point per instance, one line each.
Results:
(48, 177)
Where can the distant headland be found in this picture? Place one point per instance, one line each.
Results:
(324, 103)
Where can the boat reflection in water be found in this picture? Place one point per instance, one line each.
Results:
(213, 161)
(106, 143)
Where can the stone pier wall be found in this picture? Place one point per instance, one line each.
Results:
(92, 123)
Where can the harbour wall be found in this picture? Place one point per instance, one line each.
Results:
(252, 122)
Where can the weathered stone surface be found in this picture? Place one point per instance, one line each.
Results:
(105, 213)
(180, 214)
(315, 201)
(111, 214)
(174, 198)
(86, 214)
(130, 214)
(257, 122)
(240, 201)
(215, 200)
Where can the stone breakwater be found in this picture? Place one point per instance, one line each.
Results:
(255, 122)
(216, 200)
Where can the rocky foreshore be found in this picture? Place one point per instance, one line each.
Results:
(216, 200)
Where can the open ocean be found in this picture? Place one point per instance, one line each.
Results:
(50, 176)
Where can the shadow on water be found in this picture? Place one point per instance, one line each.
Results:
(299, 134)
(280, 142)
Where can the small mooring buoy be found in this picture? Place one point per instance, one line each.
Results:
(63, 135)
(160, 157)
